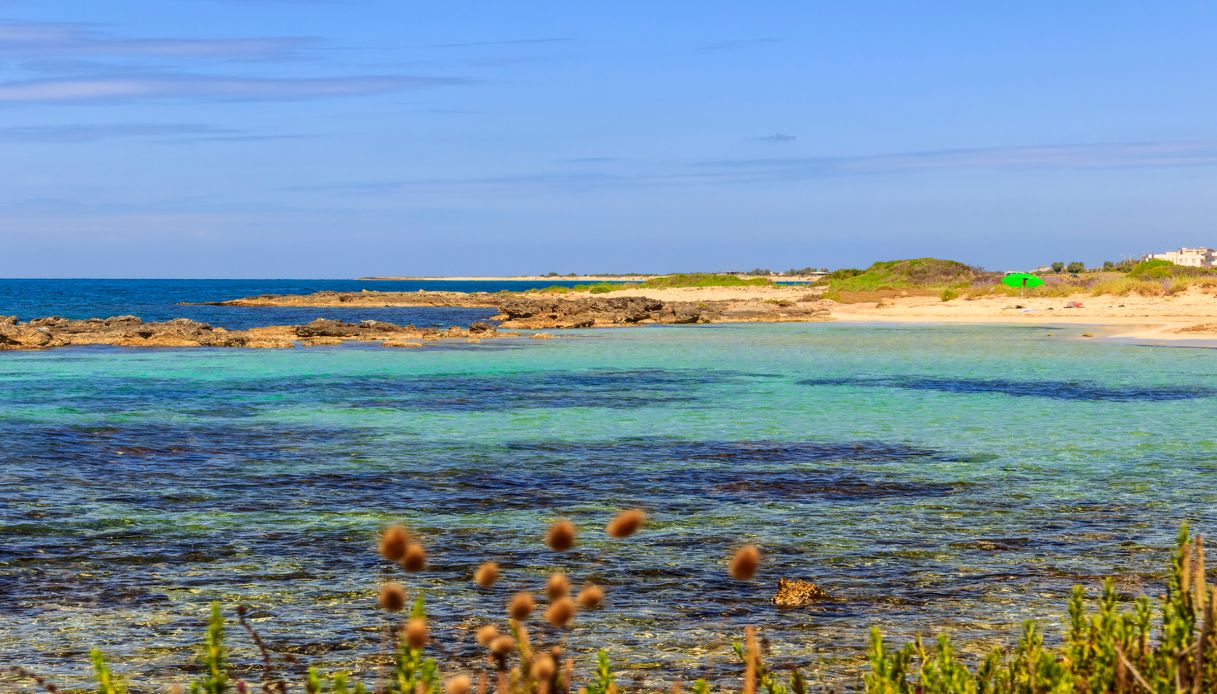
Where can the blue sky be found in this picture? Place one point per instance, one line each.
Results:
(331, 138)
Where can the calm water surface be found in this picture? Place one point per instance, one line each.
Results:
(959, 478)
(158, 300)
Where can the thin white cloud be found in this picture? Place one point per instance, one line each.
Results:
(503, 42)
(1068, 156)
(56, 38)
(777, 137)
(90, 132)
(188, 86)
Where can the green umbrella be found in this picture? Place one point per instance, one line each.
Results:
(1019, 280)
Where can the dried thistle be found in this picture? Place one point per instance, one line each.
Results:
(560, 612)
(520, 606)
(543, 668)
(590, 597)
(558, 586)
(392, 597)
(561, 535)
(753, 659)
(393, 542)
(487, 574)
(502, 645)
(626, 523)
(416, 633)
(461, 684)
(745, 562)
(415, 558)
(487, 634)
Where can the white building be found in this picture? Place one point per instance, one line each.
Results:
(1191, 257)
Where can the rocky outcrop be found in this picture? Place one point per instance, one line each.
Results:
(543, 311)
(532, 312)
(367, 298)
(130, 331)
(795, 592)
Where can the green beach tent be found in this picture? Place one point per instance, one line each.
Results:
(1021, 280)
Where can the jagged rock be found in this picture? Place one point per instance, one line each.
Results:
(327, 327)
(130, 331)
(795, 592)
(531, 312)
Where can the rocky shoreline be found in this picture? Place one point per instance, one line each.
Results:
(541, 312)
(130, 331)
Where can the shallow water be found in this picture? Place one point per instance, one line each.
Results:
(960, 478)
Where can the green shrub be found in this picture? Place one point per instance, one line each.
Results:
(901, 274)
(698, 279)
(1153, 270)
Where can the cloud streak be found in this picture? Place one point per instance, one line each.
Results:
(1068, 156)
(56, 38)
(116, 88)
(85, 132)
(777, 137)
(750, 171)
(505, 42)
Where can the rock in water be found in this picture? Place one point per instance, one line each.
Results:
(795, 592)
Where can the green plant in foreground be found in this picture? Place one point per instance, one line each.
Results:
(1107, 648)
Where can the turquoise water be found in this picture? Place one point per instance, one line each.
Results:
(929, 478)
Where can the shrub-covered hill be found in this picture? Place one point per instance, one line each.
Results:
(927, 273)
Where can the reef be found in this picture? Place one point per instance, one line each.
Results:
(130, 331)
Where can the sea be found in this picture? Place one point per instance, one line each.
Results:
(930, 478)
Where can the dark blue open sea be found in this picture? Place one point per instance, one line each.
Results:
(957, 478)
(156, 300)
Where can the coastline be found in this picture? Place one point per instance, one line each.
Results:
(1187, 317)
(507, 278)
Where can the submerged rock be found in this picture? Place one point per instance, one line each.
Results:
(795, 592)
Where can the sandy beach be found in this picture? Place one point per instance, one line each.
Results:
(1190, 315)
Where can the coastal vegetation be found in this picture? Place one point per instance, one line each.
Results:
(677, 281)
(908, 277)
(1116, 645)
(1146, 278)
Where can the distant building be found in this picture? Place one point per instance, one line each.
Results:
(1191, 257)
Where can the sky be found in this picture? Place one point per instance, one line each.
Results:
(340, 138)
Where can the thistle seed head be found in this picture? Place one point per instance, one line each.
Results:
(558, 586)
(461, 684)
(561, 535)
(487, 574)
(590, 597)
(560, 612)
(415, 558)
(543, 668)
(521, 606)
(502, 645)
(745, 562)
(393, 542)
(416, 633)
(487, 634)
(626, 523)
(392, 597)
